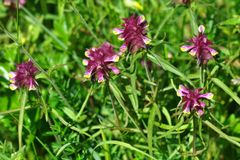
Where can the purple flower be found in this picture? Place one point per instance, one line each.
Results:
(200, 47)
(191, 99)
(14, 2)
(101, 62)
(186, 1)
(134, 33)
(24, 76)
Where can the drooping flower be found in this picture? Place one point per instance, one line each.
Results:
(200, 47)
(101, 62)
(192, 99)
(134, 34)
(14, 3)
(24, 76)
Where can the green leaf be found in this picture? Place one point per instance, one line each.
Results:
(167, 66)
(231, 21)
(220, 84)
(70, 113)
(167, 115)
(221, 133)
(118, 95)
(126, 145)
(150, 127)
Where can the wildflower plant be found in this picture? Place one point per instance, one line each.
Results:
(192, 99)
(133, 33)
(101, 62)
(24, 76)
(200, 47)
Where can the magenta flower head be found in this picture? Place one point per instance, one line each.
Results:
(14, 3)
(101, 62)
(191, 99)
(134, 34)
(200, 47)
(24, 76)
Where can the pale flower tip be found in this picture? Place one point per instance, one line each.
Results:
(178, 94)
(192, 52)
(183, 49)
(120, 38)
(201, 29)
(180, 87)
(87, 53)
(101, 80)
(142, 18)
(12, 87)
(117, 31)
(200, 113)
(214, 52)
(32, 88)
(87, 76)
(146, 40)
(85, 62)
(12, 75)
(210, 96)
(116, 59)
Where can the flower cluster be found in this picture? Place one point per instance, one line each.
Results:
(133, 33)
(191, 99)
(24, 76)
(200, 47)
(14, 2)
(101, 62)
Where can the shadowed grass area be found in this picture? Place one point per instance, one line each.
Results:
(135, 114)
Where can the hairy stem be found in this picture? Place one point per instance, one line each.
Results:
(21, 116)
(113, 105)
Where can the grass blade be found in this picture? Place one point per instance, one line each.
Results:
(167, 66)
(126, 145)
(221, 133)
(224, 87)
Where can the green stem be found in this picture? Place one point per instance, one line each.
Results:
(114, 108)
(194, 135)
(85, 102)
(21, 116)
(202, 76)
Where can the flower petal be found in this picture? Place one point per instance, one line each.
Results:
(200, 112)
(114, 58)
(13, 87)
(201, 29)
(206, 95)
(146, 40)
(123, 49)
(85, 62)
(187, 108)
(117, 31)
(193, 51)
(11, 75)
(32, 85)
(212, 51)
(186, 48)
(100, 76)
(88, 73)
(114, 69)
(182, 91)
(141, 19)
